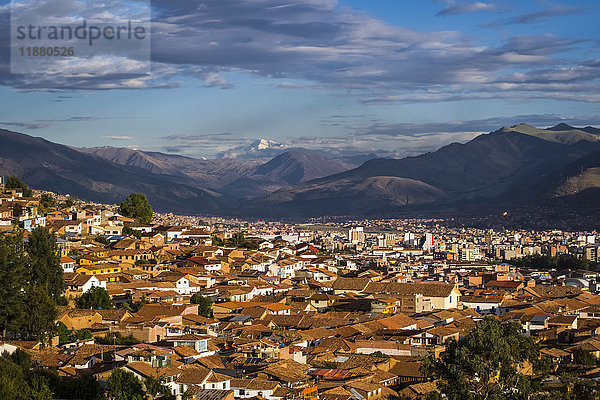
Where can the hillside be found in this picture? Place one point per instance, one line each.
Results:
(561, 133)
(496, 168)
(510, 167)
(286, 169)
(192, 171)
(46, 165)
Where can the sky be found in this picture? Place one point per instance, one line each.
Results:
(391, 77)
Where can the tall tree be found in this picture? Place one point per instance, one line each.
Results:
(204, 304)
(41, 314)
(17, 381)
(44, 262)
(485, 364)
(136, 206)
(123, 385)
(13, 264)
(12, 381)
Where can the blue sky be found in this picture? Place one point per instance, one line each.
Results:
(397, 77)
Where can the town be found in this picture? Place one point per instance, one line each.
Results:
(168, 306)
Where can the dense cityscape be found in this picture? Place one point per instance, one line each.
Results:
(167, 306)
(299, 200)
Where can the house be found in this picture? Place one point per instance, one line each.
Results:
(67, 264)
(287, 267)
(79, 284)
(442, 296)
(321, 301)
(131, 256)
(510, 286)
(200, 376)
(387, 347)
(318, 274)
(483, 304)
(564, 321)
(350, 285)
(148, 360)
(99, 269)
(78, 319)
(251, 388)
(434, 336)
(288, 373)
(197, 393)
(197, 342)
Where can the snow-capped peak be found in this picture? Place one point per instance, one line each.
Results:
(262, 144)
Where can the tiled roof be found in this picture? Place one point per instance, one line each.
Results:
(426, 289)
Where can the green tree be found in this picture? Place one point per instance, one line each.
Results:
(14, 182)
(80, 387)
(379, 354)
(18, 382)
(12, 381)
(123, 385)
(485, 364)
(97, 297)
(155, 387)
(217, 241)
(585, 390)
(68, 203)
(44, 262)
(39, 389)
(584, 357)
(117, 339)
(13, 265)
(47, 201)
(66, 335)
(129, 231)
(238, 239)
(136, 206)
(546, 262)
(21, 358)
(26, 307)
(41, 314)
(204, 304)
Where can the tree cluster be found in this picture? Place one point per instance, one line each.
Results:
(117, 339)
(136, 206)
(546, 262)
(95, 298)
(486, 364)
(47, 203)
(66, 335)
(20, 379)
(123, 385)
(129, 231)
(31, 283)
(204, 304)
(14, 182)
(237, 240)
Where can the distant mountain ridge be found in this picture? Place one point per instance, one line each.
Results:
(241, 178)
(512, 166)
(46, 165)
(496, 168)
(212, 174)
(286, 169)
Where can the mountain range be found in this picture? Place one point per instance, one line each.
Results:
(512, 166)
